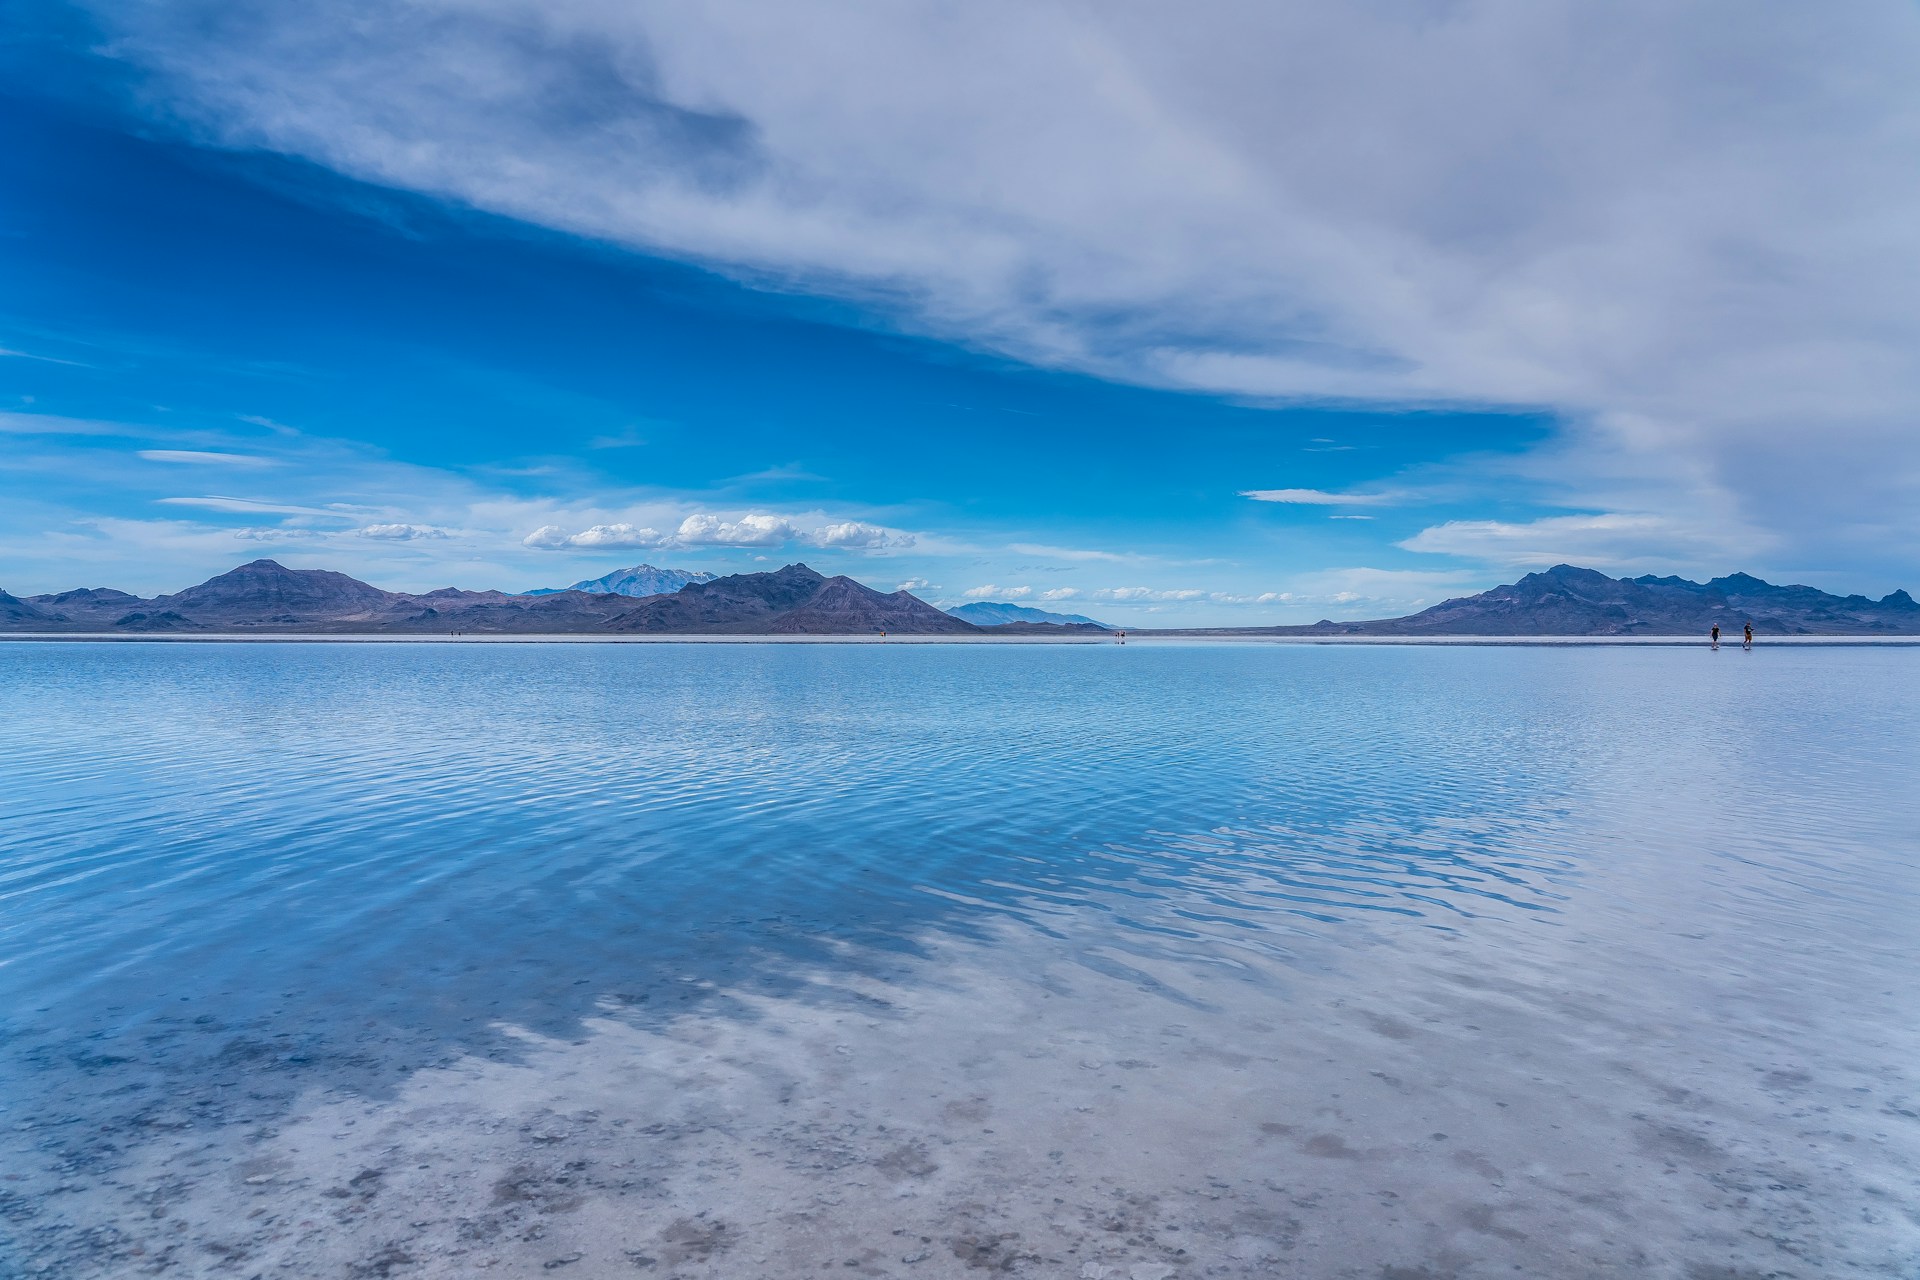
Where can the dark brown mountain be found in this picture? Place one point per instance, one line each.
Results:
(741, 602)
(1566, 601)
(267, 597)
(843, 607)
(265, 591)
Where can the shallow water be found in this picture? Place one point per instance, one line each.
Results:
(1094, 961)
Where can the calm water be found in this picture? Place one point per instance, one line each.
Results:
(1097, 961)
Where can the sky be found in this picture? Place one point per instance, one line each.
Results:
(1221, 314)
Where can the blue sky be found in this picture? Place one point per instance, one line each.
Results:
(501, 295)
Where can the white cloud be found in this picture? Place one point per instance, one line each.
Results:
(401, 532)
(1620, 210)
(751, 530)
(916, 584)
(548, 537)
(1606, 540)
(281, 533)
(998, 593)
(552, 537)
(1060, 593)
(1318, 497)
(704, 529)
(854, 534)
(1136, 594)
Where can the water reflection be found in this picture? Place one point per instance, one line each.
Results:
(279, 869)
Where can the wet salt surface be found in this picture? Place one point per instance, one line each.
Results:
(1084, 962)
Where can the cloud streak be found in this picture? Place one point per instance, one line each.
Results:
(1700, 251)
(1319, 497)
(205, 458)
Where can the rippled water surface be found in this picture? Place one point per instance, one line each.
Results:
(1120, 963)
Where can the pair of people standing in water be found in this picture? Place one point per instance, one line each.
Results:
(1746, 641)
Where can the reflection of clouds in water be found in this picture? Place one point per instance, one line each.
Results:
(608, 939)
(1000, 1105)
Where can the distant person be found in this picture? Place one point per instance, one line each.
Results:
(1747, 643)
(1716, 635)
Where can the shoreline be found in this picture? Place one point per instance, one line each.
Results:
(320, 637)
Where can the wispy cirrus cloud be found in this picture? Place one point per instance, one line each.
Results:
(50, 424)
(1072, 553)
(12, 354)
(1601, 540)
(1321, 497)
(260, 506)
(207, 458)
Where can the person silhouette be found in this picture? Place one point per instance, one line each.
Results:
(1747, 642)
(1716, 635)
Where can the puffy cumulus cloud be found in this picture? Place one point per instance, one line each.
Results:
(548, 537)
(856, 535)
(916, 584)
(401, 532)
(747, 531)
(269, 534)
(1318, 497)
(705, 529)
(1060, 593)
(990, 592)
(1702, 217)
(605, 537)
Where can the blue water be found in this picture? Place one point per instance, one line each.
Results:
(323, 849)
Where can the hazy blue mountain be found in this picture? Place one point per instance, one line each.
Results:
(15, 610)
(641, 580)
(996, 613)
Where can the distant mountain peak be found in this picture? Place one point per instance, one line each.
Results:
(1000, 613)
(639, 580)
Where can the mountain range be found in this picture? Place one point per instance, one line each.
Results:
(1568, 601)
(998, 613)
(266, 597)
(641, 580)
